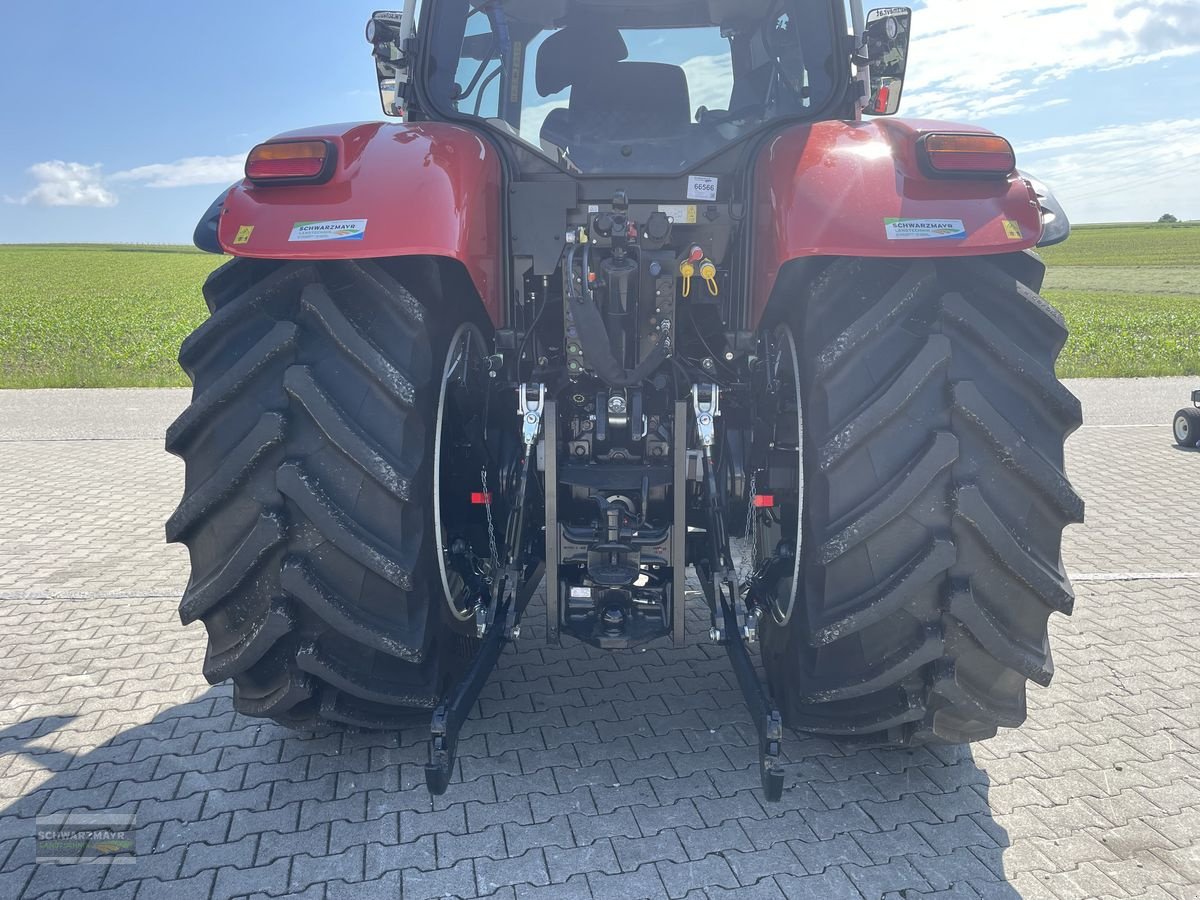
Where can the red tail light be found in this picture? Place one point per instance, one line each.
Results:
(291, 161)
(967, 154)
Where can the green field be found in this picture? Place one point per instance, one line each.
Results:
(97, 316)
(114, 316)
(1131, 295)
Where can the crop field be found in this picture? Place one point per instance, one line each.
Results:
(1131, 295)
(114, 316)
(98, 316)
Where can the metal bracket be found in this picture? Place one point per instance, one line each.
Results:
(531, 409)
(706, 415)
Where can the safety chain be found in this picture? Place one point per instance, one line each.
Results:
(751, 555)
(491, 525)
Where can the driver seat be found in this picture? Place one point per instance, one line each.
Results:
(610, 99)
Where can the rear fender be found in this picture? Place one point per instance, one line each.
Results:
(829, 188)
(427, 189)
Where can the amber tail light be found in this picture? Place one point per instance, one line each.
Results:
(966, 154)
(291, 162)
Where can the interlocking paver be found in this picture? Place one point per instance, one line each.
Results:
(564, 863)
(380, 859)
(456, 881)
(584, 773)
(555, 833)
(528, 868)
(832, 884)
(681, 878)
(751, 867)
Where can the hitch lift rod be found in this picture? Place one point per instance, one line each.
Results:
(767, 720)
(498, 623)
(722, 591)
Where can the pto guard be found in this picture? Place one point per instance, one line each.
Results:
(857, 189)
(427, 189)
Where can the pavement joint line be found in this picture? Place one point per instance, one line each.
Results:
(1135, 576)
(100, 440)
(1157, 425)
(20, 596)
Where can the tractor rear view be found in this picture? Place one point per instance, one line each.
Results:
(632, 290)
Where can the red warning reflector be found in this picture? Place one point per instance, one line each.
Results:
(764, 501)
(479, 498)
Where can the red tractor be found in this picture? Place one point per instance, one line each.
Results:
(632, 287)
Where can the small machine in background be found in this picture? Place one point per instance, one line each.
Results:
(1187, 424)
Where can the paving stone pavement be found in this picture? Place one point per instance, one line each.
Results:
(584, 774)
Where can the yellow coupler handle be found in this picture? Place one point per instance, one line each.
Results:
(687, 270)
(708, 271)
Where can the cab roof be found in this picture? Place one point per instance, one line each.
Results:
(640, 14)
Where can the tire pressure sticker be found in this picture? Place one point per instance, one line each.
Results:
(338, 230)
(924, 229)
(702, 187)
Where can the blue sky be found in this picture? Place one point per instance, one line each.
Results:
(124, 120)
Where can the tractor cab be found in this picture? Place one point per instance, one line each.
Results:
(600, 88)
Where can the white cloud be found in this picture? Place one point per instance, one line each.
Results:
(61, 183)
(710, 80)
(1121, 172)
(67, 184)
(972, 58)
(533, 117)
(195, 170)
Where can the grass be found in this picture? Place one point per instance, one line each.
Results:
(98, 316)
(1128, 245)
(1131, 296)
(114, 316)
(1118, 335)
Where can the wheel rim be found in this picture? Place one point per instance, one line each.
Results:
(787, 453)
(1183, 430)
(463, 379)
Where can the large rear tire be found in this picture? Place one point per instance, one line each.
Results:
(935, 500)
(307, 498)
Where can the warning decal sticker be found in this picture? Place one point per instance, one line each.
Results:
(924, 229)
(337, 230)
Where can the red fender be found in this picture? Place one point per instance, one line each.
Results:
(428, 189)
(826, 190)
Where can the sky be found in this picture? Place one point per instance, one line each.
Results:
(125, 120)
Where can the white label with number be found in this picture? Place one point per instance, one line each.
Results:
(702, 187)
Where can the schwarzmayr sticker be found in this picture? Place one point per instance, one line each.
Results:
(924, 229)
(338, 230)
